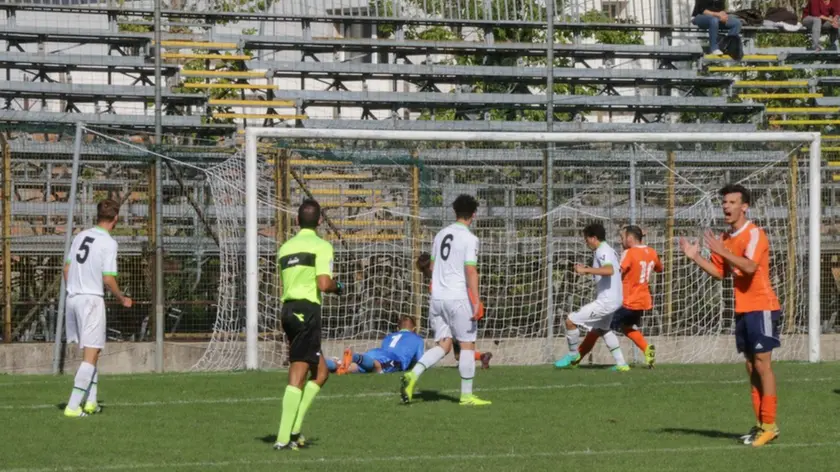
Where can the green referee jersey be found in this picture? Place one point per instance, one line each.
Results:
(301, 260)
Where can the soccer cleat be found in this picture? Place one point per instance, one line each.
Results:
(766, 434)
(569, 361)
(485, 359)
(92, 408)
(291, 446)
(407, 383)
(620, 368)
(750, 437)
(472, 400)
(298, 440)
(650, 356)
(345, 362)
(77, 413)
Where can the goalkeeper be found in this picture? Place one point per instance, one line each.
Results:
(398, 353)
(424, 264)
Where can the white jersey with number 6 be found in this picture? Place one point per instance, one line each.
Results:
(454, 247)
(92, 255)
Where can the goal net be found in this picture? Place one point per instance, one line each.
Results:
(386, 194)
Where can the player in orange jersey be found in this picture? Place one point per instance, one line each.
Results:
(744, 254)
(638, 262)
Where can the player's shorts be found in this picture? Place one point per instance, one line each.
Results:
(595, 315)
(301, 321)
(452, 319)
(757, 331)
(85, 320)
(626, 317)
(388, 361)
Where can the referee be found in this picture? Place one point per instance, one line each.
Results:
(305, 264)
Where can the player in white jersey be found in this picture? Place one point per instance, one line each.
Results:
(455, 306)
(597, 315)
(90, 264)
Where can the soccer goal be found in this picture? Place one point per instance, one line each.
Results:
(386, 193)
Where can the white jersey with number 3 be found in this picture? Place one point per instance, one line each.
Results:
(454, 247)
(92, 255)
(608, 287)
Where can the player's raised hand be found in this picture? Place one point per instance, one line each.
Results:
(689, 248)
(713, 242)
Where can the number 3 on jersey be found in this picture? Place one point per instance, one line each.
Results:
(446, 246)
(647, 269)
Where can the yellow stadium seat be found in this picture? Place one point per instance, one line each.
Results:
(779, 96)
(222, 57)
(771, 84)
(251, 103)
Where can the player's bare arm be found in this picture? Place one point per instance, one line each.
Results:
(606, 270)
(327, 284)
(471, 273)
(111, 282)
(715, 245)
(691, 249)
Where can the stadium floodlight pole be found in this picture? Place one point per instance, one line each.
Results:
(68, 239)
(159, 295)
(251, 223)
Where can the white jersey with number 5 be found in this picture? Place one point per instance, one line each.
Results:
(608, 287)
(454, 247)
(92, 255)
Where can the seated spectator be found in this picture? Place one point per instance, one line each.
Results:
(711, 15)
(821, 16)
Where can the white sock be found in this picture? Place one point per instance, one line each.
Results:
(573, 338)
(430, 358)
(91, 398)
(81, 383)
(466, 366)
(615, 347)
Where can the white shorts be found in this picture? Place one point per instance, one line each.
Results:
(595, 315)
(85, 321)
(451, 319)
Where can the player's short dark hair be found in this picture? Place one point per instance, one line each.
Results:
(406, 318)
(107, 210)
(465, 206)
(737, 188)
(635, 231)
(309, 214)
(595, 230)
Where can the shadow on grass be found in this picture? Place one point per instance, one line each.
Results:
(435, 396)
(709, 433)
(272, 438)
(837, 391)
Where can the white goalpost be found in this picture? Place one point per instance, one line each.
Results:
(385, 193)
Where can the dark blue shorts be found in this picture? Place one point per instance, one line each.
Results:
(388, 362)
(626, 317)
(757, 331)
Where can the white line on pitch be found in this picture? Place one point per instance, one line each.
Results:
(279, 461)
(338, 396)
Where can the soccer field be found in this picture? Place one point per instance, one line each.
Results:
(673, 418)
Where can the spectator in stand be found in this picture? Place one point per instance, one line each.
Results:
(821, 16)
(711, 15)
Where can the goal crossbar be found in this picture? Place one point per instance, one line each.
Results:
(252, 136)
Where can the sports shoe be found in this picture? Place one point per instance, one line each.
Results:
(485, 359)
(345, 362)
(407, 383)
(768, 433)
(717, 52)
(77, 413)
(298, 440)
(620, 368)
(291, 446)
(472, 400)
(569, 361)
(750, 437)
(92, 408)
(650, 356)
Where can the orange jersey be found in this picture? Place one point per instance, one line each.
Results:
(752, 292)
(637, 264)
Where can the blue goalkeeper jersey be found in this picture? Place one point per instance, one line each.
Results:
(406, 346)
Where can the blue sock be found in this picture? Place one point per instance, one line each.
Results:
(331, 365)
(364, 361)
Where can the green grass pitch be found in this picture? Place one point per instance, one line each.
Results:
(673, 418)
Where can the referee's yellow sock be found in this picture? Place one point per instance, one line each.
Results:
(291, 403)
(309, 391)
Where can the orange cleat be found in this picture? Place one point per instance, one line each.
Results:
(485, 359)
(345, 362)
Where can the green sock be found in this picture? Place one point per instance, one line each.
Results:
(291, 401)
(309, 393)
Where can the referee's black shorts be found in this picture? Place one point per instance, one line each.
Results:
(301, 321)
